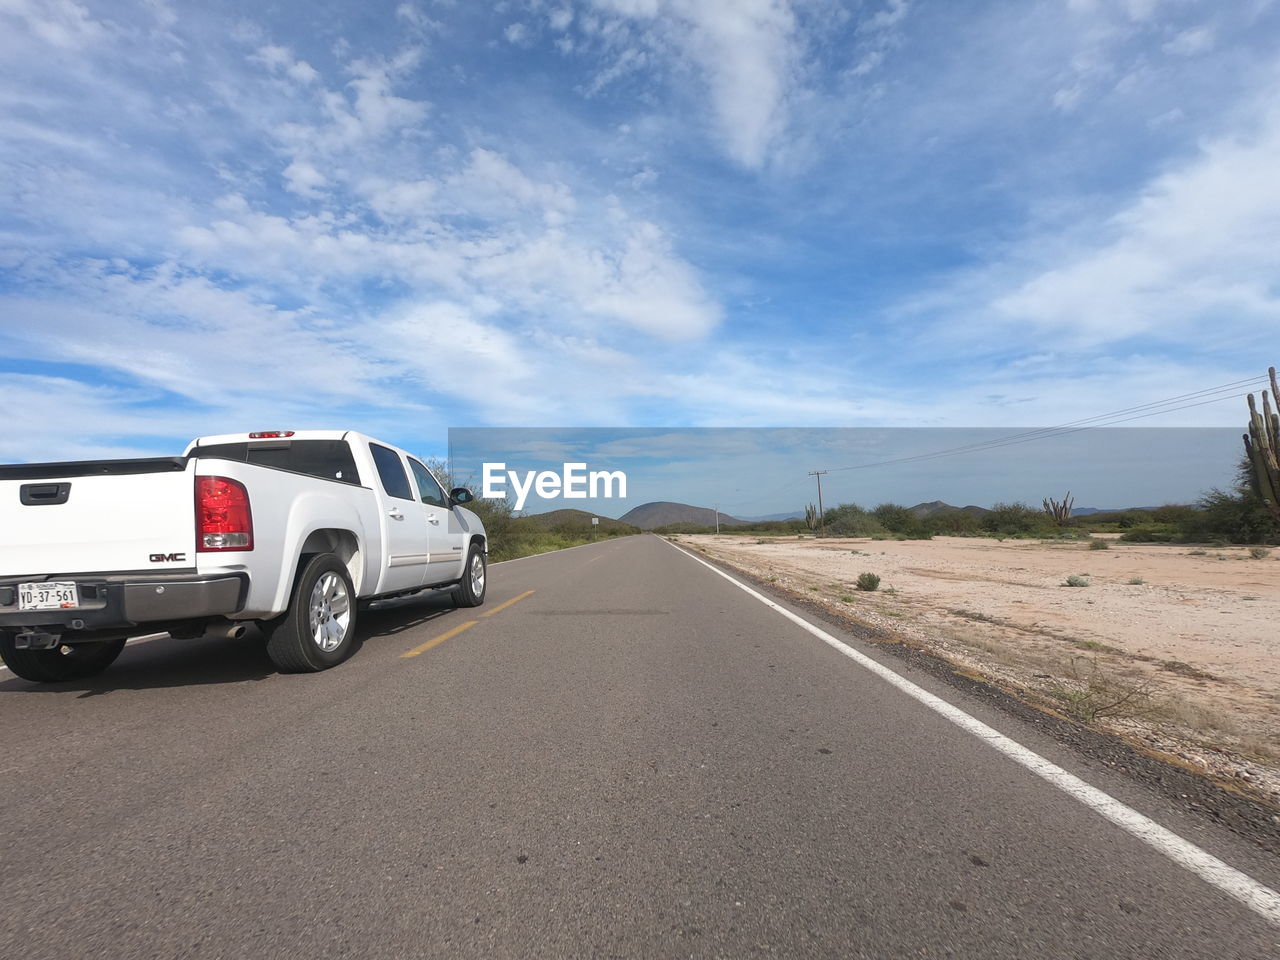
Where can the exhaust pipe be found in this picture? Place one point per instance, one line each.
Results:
(229, 629)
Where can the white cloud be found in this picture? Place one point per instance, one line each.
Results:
(560, 17)
(1188, 261)
(60, 23)
(414, 15)
(748, 52)
(893, 13)
(1191, 42)
(304, 179)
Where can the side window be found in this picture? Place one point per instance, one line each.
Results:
(391, 472)
(432, 492)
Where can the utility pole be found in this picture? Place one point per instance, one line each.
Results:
(717, 519)
(822, 519)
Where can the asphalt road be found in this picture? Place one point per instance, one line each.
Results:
(637, 759)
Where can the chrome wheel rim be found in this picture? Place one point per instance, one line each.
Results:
(477, 576)
(330, 612)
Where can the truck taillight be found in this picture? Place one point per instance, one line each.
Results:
(270, 434)
(223, 521)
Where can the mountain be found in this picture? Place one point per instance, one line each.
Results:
(793, 515)
(664, 513)
(578, 520)
(923, 510)
(1090, 511)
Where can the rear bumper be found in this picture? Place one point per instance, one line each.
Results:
(107, 603)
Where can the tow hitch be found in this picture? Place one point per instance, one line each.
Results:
(36, 640)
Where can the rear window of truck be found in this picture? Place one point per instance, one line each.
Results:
(326, 459)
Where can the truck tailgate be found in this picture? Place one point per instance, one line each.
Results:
(99, 517)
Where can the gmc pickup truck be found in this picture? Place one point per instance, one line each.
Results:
(292, 531)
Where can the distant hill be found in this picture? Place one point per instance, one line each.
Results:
(1090, 511)
(664, 513)
(579, 520)
(793, 515)
(923, 510)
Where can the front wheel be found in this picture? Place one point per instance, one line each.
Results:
(470, 592)
(318, 630)
(67, 662)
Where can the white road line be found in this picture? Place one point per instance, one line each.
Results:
(1259, 898)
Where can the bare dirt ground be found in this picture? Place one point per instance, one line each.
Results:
(1175, 647)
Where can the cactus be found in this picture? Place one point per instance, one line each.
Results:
(811, 517)
(1060, 510)
(1262, 447)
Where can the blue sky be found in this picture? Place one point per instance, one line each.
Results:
(753, 472)
(406, 216)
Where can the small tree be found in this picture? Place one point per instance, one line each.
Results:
(850, 520)
(896, 518)
(1012, 519)
(954, 522)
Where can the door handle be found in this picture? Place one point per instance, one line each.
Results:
(395, 514)
(435, 520)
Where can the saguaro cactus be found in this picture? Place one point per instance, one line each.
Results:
(1262, 445)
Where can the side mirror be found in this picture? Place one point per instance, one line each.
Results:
(460, 495)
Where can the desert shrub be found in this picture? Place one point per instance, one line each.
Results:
(896, 518)
(1075, 580)
(1018, 520)
(1127, 519)
(1151, 533)
(1099, 545)
(951, 523)
(1092, 693)
(1239, 517)
(850, 520)
(1136, 581)
(867, 581)
(1259, 553)
(1174, 513)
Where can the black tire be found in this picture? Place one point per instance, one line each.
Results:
(56, 666)
(471, 591)
(299, 643)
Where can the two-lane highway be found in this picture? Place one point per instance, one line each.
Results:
(622, 754)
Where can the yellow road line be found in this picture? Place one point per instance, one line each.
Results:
(449, 634)
(440, 639)
(503, 606)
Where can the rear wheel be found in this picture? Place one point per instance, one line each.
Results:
(318, 629)
(67, 662)
(470, 592)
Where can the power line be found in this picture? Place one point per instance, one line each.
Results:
(1141, 411)
(1153, 409)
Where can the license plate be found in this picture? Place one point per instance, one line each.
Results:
(61, 595)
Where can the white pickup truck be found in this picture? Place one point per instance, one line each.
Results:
(290, 530)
